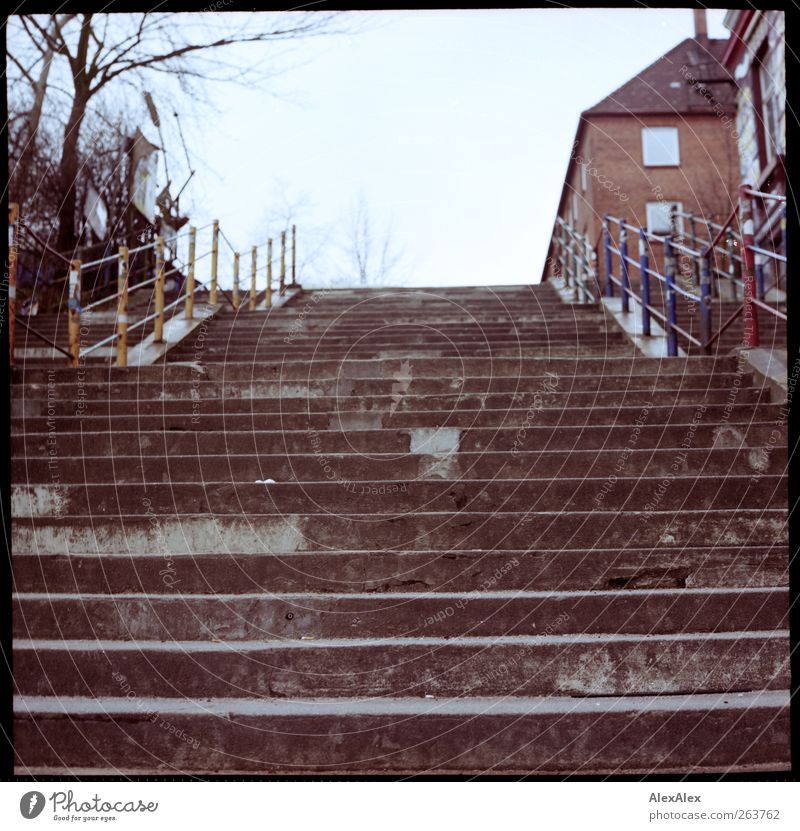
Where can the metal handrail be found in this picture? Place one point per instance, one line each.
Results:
(751, 272)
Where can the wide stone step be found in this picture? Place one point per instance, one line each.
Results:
(264, 616)
(540, 397)
(99, 397)
(628, 568)
(420, 440)
(357, 467)
(399, 497)
(364, 420)
(256, 533)
(542, 735)
(628, 365)
(525, 665)
(269, 352)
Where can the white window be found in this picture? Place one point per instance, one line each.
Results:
(574, 208)
(583, 178)
(660, 146)
(658, 217)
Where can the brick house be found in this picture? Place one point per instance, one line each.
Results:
(755, 57)
(661, 139)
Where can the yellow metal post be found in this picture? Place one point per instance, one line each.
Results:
(253, 279)
(190, 273)
(294, 255)
(13, 241)
(283, 264)
(158, 326)
(236, 297)
(122, 307)
(268, 299)
(74, 312)
(212, 298)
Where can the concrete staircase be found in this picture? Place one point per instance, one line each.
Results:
(401, 531)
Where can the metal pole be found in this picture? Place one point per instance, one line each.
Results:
(74, 312)
(759, 260)
(253, 256)
(623, 259)
(13, 241)
(236, 298)
(212, 297)
(283, 264)
(705, 303)
(749, 310)
(268, 300)
(158, 326)
(672, 312)
(695, 261)
(730, 244)
(644, 266)
(783, 248)
(122, 306)
(294, 254)
(190, 273)
(607, 246)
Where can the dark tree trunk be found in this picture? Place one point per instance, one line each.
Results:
(69, 169)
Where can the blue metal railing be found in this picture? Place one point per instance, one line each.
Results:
(750, 261)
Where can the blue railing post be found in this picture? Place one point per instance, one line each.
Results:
(607, 245)
(644, 266)
(623, 271)
(672, 311)
(705, 302)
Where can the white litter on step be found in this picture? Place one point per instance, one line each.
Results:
(266, 482)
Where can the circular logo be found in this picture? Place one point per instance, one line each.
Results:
(31, 804)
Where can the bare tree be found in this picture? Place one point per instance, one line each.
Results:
(105, 51)
(370, 252)
(290, 208)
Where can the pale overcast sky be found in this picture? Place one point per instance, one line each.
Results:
(456, 126)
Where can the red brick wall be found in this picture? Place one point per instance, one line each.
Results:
(619, 184)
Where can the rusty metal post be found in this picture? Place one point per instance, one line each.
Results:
(122, 306)
(294, 255)
(74, 312)
(212, 297)
(268, 297)
(158, 326)
(190, 273)
(13, 242)
(236, 296)
(253, 255)
(749, 310)
(282, 290)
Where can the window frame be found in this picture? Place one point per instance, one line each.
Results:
(660, 205)
(648, 163)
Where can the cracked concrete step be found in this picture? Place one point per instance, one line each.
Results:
(317, 370)
(375, 571)
(37, 400)
(599, 347)
(400, 400)
(415, 440)
(356, 467)
(383, 331)
(355, 420)
(256, 533)
(547, 665)
(680, 733)
(263, 616)
(399, 497)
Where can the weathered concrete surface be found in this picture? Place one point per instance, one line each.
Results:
(306, 541)
(689, 733)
